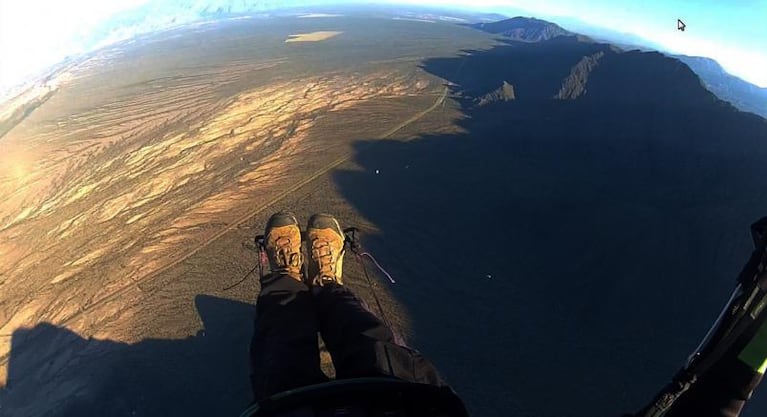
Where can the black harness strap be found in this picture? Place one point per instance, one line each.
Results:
(743, 312)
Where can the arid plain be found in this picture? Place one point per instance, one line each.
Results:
(136, 178)
(564, 218)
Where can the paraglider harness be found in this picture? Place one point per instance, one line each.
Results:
(744, 312)
(385, 396)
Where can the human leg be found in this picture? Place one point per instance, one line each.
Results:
(360, 344)
(284, 351)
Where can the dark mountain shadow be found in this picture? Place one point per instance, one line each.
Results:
(536, 71)
(203, 375)
(563, 257)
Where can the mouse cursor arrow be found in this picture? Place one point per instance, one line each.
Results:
(680, 25)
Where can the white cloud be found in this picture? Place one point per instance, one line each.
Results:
(35, 34)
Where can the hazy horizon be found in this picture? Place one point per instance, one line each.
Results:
(52, 31)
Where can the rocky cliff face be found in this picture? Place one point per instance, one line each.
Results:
(504, 93)
(575, 84)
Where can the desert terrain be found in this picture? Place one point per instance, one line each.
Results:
(563, 228)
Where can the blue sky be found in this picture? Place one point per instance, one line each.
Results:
(38, 33)
(734, 32)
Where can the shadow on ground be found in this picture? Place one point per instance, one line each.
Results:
(203, 375)
(559, 258)
(562, 257)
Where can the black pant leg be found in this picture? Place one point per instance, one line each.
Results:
(284, 352)
(362, 345)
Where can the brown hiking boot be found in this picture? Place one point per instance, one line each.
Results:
(325, 244)
(283, 244)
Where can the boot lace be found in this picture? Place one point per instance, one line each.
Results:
(283, 253)
(323, 255)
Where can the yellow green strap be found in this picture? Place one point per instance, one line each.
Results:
(755, 353)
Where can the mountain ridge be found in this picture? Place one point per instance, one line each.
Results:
(503, 93)
(740, 93)
(569, 68)
(524, 29)
(726, 87)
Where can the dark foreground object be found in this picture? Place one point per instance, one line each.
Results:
(722, 374)
(379, 376)
(375, 373)
(362, 397)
